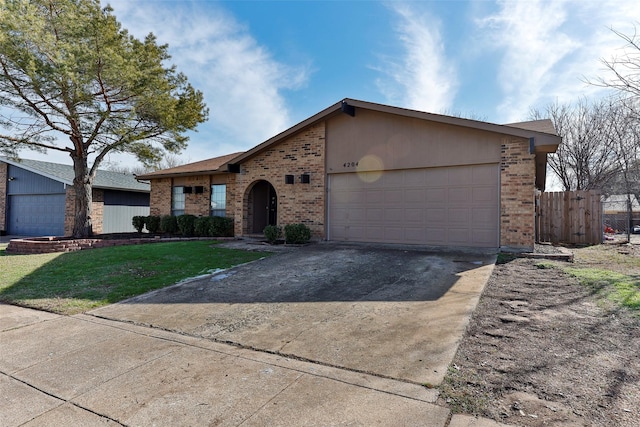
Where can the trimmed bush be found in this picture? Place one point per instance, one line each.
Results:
(168, 224)
(138, 222)
(202, 226)
(297, 233)
(272, 233)
(153, 224)
(186, 224)
(221, 226)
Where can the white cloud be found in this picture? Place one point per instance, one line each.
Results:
(241, 81)
(530, 32)
(551, 48)
(422, 78)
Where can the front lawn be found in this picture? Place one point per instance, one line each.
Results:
(70, 283)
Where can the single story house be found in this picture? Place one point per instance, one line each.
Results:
(37, 199)
(364, 172)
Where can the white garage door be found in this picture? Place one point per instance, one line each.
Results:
(452, 206)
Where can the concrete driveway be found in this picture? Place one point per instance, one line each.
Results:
(388, 311)
(320, 335)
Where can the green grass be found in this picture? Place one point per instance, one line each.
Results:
(622, 289)
(70, 283)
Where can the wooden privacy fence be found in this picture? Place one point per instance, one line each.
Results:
(569, 217)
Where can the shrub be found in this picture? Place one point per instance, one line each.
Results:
(153, 224)
(138, 222)
(221, 226)
(168, 224)
(272, 233)
(186, 224)
(297, 233)
(202, 226)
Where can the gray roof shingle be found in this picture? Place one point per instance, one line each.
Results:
(64, 173)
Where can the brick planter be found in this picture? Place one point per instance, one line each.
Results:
(45, 245)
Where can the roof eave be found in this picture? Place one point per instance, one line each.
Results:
(37, 171)
(182, 174)
(541, 137)
(333, 109)
(132, 190)
(543, 142)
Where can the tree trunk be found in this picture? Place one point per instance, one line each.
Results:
(82, 184)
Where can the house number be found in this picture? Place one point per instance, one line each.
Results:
(350, 164)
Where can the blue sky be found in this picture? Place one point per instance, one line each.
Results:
(264, 66)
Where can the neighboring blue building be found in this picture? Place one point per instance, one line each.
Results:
(36, 199)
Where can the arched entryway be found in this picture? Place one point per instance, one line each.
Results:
(263, 206)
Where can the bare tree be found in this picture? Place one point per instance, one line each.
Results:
(586, 159)
(168, 161)
(624, 69)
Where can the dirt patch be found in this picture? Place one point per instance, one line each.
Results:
(542, 349)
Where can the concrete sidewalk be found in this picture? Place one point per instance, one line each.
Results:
(82, 370)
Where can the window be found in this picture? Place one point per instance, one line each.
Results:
(218, 200)
(177, 201)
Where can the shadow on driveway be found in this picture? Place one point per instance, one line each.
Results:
(390, 311)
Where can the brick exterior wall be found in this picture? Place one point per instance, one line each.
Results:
(69, 209)
(160, 198)
(303, 153)
(97, 210)
(517, 195)
(297, 203)
(195, 204)
(3, 196)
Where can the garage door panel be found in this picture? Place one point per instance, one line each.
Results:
(435, 195)
(413, 195)
(485, 173)
(458, 216)
(458, 236)
(394, 215)
(459, 195)
(374, 234)
(455, 206)
(483, 237)
(393, 234)
(436, 236)
(436, 216)
(356, 215)
(484, 217)
(375, 215)
(460, 177)
(414, 178)
(340, 215)
(374, 197)
(393, 196)
(483, 194)
(437, 176)
(36, 214)
(353, 233)
(393, 181)
(413, 215)
(413, 235)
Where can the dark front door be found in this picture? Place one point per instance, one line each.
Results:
(265, 206)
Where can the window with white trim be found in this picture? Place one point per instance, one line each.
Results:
(219, 200)
(177, 201)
